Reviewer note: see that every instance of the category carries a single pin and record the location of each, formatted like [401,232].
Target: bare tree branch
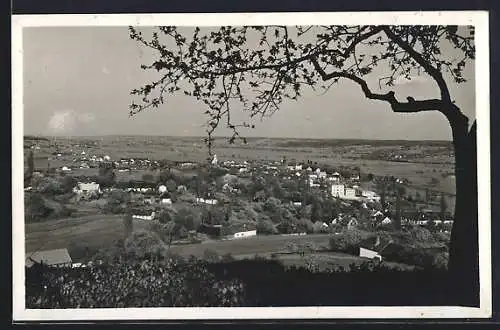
[432,71]
[410,106]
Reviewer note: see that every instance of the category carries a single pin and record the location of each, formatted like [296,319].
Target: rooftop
[48,257]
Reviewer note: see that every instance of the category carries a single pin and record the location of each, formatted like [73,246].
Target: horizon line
[229,137]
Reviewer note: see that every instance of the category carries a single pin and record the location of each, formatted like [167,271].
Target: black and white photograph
[251,166]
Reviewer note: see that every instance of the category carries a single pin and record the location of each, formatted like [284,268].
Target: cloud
[66,121]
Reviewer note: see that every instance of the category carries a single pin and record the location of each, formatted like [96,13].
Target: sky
[77,82]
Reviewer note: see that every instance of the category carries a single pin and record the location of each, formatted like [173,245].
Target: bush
[441,260]
[138,283]
[211,256]
[420,234]
[348,241]
[305,225]
[266,227]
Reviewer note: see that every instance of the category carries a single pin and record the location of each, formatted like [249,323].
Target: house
[373,247]
[65,169]
[244,234]
[149,200]
[166,201]
[338,190]
[144,217]
[214,160]
[350,193]
[370,195]
[87,188]
[206,201]
[162,189]
[352,223]
[53,258]
[296,203]
[386,221]
[367,253]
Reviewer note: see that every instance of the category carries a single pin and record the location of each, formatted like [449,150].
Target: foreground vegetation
[176,282]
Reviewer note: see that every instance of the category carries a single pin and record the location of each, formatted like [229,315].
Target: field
[94,231]
[98,231]
[425,159]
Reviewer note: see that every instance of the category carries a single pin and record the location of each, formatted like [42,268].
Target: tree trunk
[464,251]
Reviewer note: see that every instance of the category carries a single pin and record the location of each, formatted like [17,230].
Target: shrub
[441,260]
[210,256]
[420,234]
[266,227]
[348,241]
[228,257]
[146,283]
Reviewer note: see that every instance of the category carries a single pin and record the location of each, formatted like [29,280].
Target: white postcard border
[477,18]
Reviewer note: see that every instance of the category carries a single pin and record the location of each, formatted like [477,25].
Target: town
[190,202]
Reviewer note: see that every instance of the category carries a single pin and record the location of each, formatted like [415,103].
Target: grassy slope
[95,231]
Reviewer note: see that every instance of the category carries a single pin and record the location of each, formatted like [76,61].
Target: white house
[66,169]
[350,193]
[144,217]
[206,201]
[298,167]
[338,190]
[297,203]
[85,188]
[107,158]
[322,175]
[166,201]
[366,253]
[386,221]
[244,234]
[162,189]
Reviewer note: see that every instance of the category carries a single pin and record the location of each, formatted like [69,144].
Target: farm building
[373,247]
[53,258]
[144,216]
[206,201]
[366,253]
[244,234]
[87,188]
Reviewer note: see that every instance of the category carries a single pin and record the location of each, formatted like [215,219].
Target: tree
[418,198]
[217,69]
[106,177]
[443,206]
[128,225]
[397,218]
[31,168]
[427,195]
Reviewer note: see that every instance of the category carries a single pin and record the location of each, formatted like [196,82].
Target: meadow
[94,231]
